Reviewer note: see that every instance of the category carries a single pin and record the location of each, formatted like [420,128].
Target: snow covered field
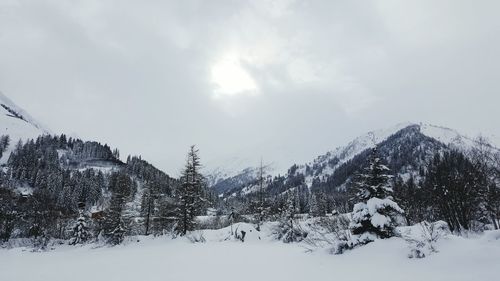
[257,259]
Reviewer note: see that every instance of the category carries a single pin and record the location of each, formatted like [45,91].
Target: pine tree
[374,214]
[412,198]
[80,230]
[116,153]
[114,230]
[4,143]
[317,205]
[149,205]
[262,208]
[290,231]
[189,194]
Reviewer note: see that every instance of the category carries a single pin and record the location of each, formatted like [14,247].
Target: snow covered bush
[375,217]
[196,236]
[40,243]
[289,233]
[240,235]
[340,246]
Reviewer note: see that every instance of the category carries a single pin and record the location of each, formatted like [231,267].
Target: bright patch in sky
[231,78]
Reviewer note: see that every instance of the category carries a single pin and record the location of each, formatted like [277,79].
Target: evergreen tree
[114,228]
[116,153]
[4,143]
[317,205]
[290,232]
[149,205]
[262,206]
[189,194]
[80,230]
[374,214]
[413,199]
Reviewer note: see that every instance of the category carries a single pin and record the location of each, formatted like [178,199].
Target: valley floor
[177,260]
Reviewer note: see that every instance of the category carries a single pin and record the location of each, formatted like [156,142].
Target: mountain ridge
[17,124]
[323,168]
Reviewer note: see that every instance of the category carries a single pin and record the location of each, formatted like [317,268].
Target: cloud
[140,76]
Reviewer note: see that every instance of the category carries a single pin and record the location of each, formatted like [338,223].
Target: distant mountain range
[407,148]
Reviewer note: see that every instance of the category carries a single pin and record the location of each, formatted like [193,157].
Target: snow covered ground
[258,258]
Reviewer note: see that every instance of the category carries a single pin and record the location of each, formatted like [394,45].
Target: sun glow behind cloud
[231,78]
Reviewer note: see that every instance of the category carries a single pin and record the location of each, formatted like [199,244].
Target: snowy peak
[447,136]
[235,173]
[10,109]
[17,124]
[443,135]
[411,138]
[407,147]
[230,167]
[359,144]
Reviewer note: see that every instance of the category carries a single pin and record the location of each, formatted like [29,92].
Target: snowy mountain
[325,165]
[219,171]
[407,148]
[235,172]
[17,124]
[86,166]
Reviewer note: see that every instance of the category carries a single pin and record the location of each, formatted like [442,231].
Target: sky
[285,80]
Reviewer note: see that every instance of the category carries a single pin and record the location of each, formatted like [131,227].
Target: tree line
[49,189]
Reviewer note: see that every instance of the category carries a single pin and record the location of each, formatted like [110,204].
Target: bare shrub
[425,244]
[330,231]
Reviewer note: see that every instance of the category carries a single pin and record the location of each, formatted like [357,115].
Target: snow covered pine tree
[374,216]
[317,204]
[80,231]
[291,231]
[189,193]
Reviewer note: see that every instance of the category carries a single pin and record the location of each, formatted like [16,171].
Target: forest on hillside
[68,190]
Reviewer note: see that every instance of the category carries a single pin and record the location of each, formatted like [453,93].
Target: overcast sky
[286,79]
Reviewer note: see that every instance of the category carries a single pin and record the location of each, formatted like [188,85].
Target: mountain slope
[52,178]
[17,124]
[407,148]
[236,173]
[422,135]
